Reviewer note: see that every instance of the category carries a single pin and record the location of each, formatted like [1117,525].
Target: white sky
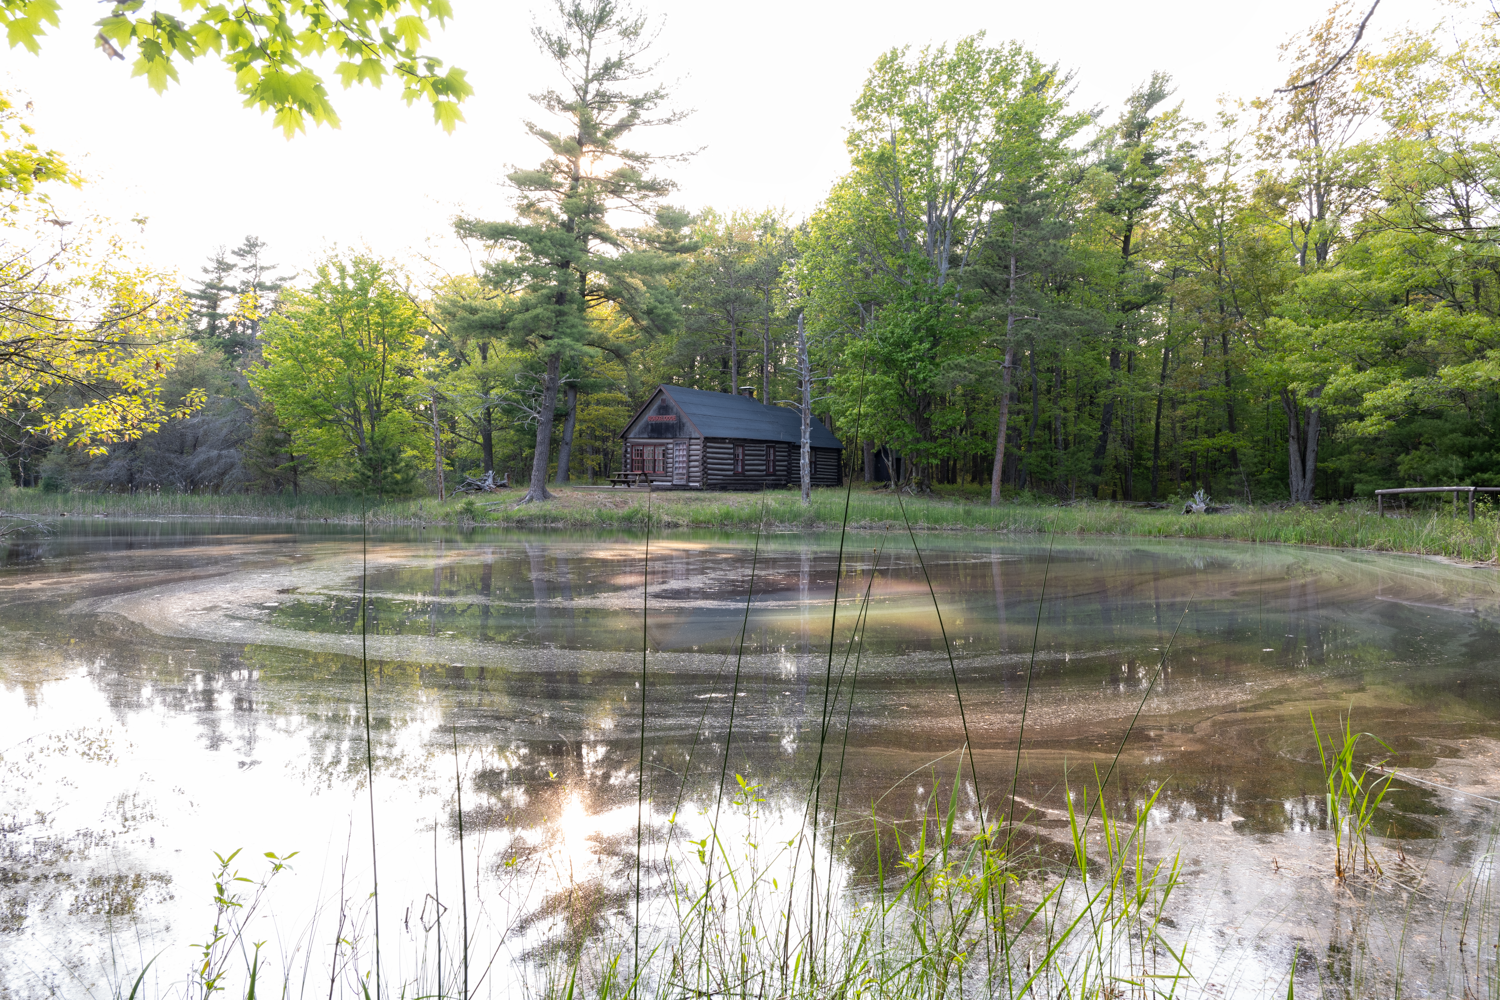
[771,84]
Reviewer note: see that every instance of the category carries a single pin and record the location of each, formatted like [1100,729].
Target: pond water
[173,689]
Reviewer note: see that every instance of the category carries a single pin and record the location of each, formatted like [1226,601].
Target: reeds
[232,914]
[1351,796]
[1126,897]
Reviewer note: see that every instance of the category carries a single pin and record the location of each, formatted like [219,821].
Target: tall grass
[348,509]
[1432,531]
[1351,796]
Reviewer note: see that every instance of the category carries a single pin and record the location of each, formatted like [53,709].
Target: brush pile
[485,485]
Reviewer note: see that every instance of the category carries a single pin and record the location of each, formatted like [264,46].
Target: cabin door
[680,464]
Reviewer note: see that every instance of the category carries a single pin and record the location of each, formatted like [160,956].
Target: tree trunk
[537,490]
[1301,443]
[487,439]
[1127,429]
[765,364]
[1000,432]
[869,462]
[565,450]
[1010,355]
[1036,414]
[1161,388]
[804,367]
[1057,407]
[1234,452]
[1106,422]
[437,447]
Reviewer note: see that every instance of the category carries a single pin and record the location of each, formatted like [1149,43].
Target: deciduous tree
[343,362]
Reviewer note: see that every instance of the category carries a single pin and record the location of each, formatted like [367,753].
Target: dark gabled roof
[723,415]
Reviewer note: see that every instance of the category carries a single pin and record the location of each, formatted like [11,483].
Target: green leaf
[411,30]
[290,121]
[206,36]
[264,46]
[371,71]
[446,114]
[23,28]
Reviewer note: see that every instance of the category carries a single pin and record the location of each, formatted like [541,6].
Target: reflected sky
[176,688]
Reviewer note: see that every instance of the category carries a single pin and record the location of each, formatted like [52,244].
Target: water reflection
[175,689]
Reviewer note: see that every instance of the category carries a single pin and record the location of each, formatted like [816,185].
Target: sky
[770,85]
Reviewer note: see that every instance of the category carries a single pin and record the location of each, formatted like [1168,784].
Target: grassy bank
[1434,531]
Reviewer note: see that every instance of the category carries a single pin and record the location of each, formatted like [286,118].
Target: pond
[172,689]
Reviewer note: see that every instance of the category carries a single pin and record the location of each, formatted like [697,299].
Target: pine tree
[237,292]
[564,254]
[213,300]
[1135,157]
[257,292]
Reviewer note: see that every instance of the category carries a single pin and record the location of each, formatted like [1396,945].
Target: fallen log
[485,485]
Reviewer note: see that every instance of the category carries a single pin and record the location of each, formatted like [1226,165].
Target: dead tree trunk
[487,439]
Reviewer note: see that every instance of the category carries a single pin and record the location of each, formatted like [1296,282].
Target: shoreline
[1432,533]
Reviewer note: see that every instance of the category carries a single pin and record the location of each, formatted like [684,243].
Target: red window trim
[739,460]
[770,460]
[651,459]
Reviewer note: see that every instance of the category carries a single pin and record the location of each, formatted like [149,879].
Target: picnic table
[628,479]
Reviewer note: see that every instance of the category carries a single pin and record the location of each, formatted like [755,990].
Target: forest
[1005,295]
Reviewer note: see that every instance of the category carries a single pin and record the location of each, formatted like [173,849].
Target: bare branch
[1337,62]
[26,523]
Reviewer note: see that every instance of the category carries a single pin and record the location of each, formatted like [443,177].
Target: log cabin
[696,439]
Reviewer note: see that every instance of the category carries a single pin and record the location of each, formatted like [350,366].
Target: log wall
[711,464]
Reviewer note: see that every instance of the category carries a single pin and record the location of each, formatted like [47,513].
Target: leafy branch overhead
[23,164]
[87,341]
[269,45]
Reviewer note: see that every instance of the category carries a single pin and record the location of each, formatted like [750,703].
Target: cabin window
[739,460]
[770,460]
[651,459]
